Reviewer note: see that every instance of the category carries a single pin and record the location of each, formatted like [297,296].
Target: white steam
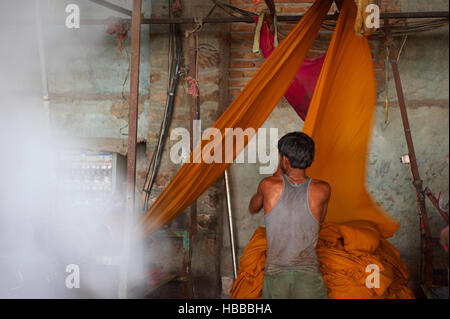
[45,226]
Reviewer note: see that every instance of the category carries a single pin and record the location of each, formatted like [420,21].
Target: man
[294,206]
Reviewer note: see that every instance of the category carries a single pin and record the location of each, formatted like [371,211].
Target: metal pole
[426,239]
[282,18]
[132,138]
[194,106]
[230,224]
[40,38]
[112,6]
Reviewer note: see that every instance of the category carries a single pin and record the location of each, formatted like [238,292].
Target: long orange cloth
[339,120]
[249,110]
[344,251]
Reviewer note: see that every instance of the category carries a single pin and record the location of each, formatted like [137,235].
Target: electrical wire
[173,77]
[398,26]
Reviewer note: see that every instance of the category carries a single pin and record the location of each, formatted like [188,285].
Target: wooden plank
[132,139]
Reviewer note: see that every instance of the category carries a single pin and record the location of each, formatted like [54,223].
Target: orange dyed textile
[344,251]
[249,110]
[249,282]
[340,119]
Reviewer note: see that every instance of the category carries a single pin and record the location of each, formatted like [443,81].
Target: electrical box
[99,174]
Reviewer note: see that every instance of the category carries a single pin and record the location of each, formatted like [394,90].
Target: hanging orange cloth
[340,120]
[249,110]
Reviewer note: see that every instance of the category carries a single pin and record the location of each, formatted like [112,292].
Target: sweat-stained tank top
[292,231]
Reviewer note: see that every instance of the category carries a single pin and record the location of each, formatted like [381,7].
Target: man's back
[292,230]
[318,195]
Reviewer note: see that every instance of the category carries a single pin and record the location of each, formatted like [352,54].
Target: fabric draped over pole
[249,110]
[340,120]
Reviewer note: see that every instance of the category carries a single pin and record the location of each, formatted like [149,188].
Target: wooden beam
[112,6]
[132,139]
[426,238]
[293,18]
[194,107]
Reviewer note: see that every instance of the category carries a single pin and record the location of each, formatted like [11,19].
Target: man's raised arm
[257,201]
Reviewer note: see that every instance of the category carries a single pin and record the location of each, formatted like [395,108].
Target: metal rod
[290,18]
[194,115]
[188,288]
[132,138]
[224,97]
[112,6]
[230,224]
[417,182]
[41,51]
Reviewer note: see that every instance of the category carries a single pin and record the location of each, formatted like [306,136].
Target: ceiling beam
[112,6]
[291,18]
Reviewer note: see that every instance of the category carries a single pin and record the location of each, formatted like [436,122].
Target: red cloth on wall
[300,91]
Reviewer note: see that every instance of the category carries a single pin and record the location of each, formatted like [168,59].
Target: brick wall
[244,63]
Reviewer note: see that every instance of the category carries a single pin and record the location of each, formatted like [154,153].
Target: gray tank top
[292,231]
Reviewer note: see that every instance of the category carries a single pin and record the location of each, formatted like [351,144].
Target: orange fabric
[249,110]
[248,284]
[340,119]
[343,261]
[344,258]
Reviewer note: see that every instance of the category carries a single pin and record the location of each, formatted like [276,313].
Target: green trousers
[294,285]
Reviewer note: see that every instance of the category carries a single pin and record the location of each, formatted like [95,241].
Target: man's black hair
[298,148]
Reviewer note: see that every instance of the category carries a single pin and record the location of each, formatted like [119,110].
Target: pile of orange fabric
[249,282]
[344,251]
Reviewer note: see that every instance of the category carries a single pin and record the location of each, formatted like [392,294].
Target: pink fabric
[300,92]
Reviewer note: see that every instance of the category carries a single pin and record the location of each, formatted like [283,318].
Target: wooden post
[132,138]
[194,103]
[426,238]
